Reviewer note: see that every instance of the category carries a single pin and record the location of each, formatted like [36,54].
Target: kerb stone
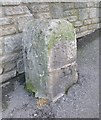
[49,57]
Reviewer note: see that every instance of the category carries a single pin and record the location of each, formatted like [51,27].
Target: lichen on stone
[64,31]
[30,88]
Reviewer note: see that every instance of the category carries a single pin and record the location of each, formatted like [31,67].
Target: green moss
[64,32]
[30,88]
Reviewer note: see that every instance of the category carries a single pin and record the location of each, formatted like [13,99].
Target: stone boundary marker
[50,52]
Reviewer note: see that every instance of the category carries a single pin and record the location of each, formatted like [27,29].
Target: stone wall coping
[17,2]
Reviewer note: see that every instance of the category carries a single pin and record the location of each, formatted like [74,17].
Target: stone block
[39,7]
[49,57]
[7,76]
[7,30]
[56,10]
[97,4]
[80,4]
[20,21]
[69,13]
[72,18]
[7,67]
[78,23]
[44,15]
[95,20]
[84,33]
[61,80]
[94,12]
[83,14]
[66,13]
[93,26]
[68,5]
[74,12]
[11,2]
[90,4]
[20,66]
[5,21]
[83,28]
[12,43]
[87,22]
[10,57]
[16,10]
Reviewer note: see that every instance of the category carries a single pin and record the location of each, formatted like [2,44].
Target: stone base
[61,79]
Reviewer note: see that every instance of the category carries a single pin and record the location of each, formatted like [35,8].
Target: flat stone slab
[49,57]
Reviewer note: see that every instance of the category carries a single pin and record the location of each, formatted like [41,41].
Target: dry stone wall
[13,17]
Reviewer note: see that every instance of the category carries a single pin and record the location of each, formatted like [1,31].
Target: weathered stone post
[49,57]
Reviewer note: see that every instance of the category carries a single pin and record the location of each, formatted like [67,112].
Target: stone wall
[13,17]
[84,16]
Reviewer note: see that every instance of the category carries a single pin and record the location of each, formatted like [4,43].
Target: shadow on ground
[82,100]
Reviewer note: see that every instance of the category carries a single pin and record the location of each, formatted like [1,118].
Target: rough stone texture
[14,16]
[8,58]
[8,67]
[84,33]
[95,20]
[82,100]
[45,15]
[15,10]
[90,4]
[7,30]
[7,76]
[39,7]
[1,69]
[87,22]
[78,23]
[20,21]
[77,30]
[56,10]
[83,14]
[67,6]
[93,26]
[20,66]
[80,4]
[50,57]
[83,28]
[5,21]
[11,2]
[72,18]
[12,43]
[66,13]
[1,51]
[94,12]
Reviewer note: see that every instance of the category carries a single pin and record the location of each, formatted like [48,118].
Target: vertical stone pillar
[49,57]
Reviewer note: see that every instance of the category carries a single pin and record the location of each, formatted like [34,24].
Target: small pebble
[35,115]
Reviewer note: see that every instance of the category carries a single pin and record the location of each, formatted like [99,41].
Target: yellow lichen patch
[41,102]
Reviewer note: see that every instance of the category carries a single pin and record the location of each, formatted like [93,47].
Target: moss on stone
[30,88]
[64,32]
